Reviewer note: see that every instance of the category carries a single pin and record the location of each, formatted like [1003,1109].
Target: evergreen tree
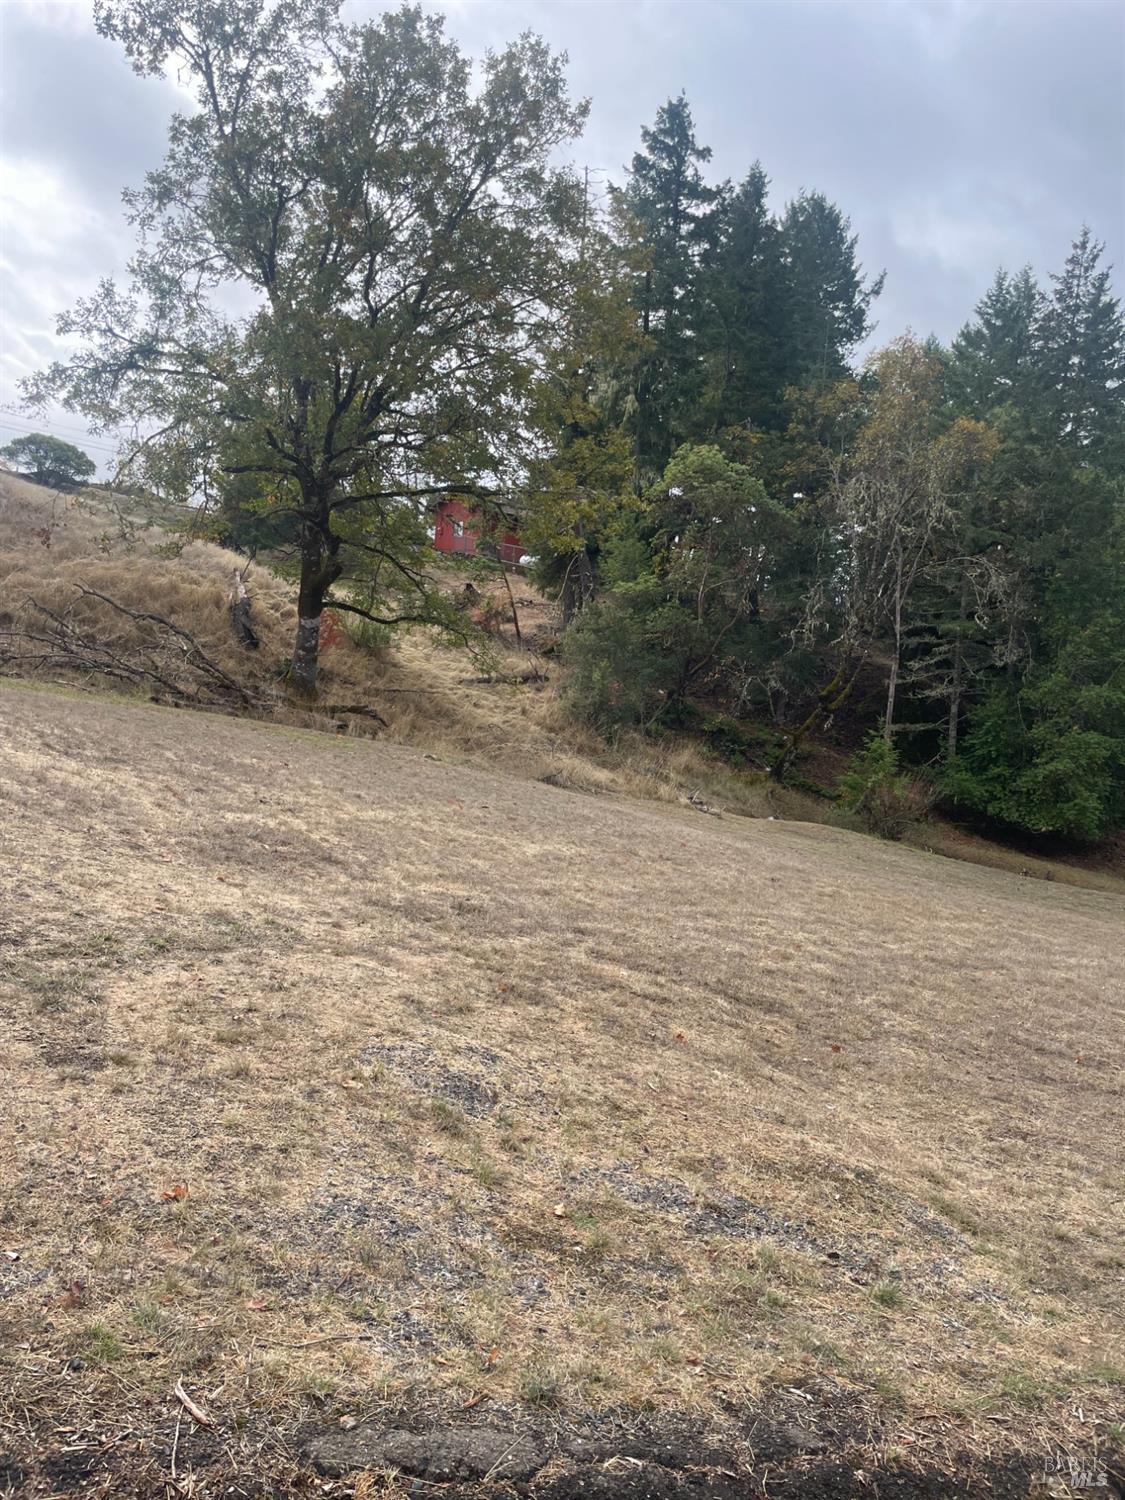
[673,214]
[1082,335]
[829,300]
[686,573]
[746,333]
[995,359]
[1044,747]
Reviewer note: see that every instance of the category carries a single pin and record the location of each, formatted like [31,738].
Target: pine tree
[830,302]
[1082,334]
[994,359]
[746,334]
[672,210]
[1044,746]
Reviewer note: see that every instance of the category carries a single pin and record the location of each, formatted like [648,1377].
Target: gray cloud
[958,134]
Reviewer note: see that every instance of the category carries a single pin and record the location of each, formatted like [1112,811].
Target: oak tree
[49,460]
[350,266]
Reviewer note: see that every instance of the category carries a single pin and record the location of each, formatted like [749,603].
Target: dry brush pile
[91,587]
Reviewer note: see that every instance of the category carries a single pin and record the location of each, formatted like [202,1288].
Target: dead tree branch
[166,658]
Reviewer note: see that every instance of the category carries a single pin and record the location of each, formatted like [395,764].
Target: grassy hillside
[500,709]
[451,701]
[422,1120]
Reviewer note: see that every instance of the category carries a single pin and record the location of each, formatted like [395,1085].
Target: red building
[459,528]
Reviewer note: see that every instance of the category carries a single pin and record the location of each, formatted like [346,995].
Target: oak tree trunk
[319,571]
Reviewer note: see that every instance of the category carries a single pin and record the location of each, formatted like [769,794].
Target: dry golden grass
[428,694]
[480,1086]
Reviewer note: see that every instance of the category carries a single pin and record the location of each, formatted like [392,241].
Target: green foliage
[48,460]
[994,362]
[685,572]
[829,299]
[1044,743]
[746,315]
[673,215]
[101,1346]
[887,1294]
[875,788]
[577,491]
[616,673]
[1081,338]
[1026,762]
[409,246]
[733,520]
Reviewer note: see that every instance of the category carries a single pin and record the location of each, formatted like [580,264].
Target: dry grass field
[456,703]
[464,705]
[443,1133]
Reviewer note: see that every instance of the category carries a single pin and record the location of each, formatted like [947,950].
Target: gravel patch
[418,1065]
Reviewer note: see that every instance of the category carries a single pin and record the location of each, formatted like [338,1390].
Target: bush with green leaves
[1045,771]
[615,674]
[682,614]
[887,800]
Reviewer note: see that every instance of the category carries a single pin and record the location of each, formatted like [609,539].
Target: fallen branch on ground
[61,640]
[534,673]
[193,1411]
[363,710]
[240,607]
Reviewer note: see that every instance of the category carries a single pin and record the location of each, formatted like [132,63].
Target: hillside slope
[491,703]
[55,548]
[350,1086]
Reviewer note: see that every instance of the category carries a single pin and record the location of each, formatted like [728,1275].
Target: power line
[54,430]
[24,427]
[15,411]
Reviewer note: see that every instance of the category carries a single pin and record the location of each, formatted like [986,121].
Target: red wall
[445,539]
[449,511]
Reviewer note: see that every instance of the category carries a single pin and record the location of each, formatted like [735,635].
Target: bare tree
[898,499]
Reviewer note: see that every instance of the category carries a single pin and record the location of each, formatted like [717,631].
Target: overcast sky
[958,135]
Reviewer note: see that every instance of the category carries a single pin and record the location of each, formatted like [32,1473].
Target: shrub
[887,800]
[1052,760]
[615,676]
